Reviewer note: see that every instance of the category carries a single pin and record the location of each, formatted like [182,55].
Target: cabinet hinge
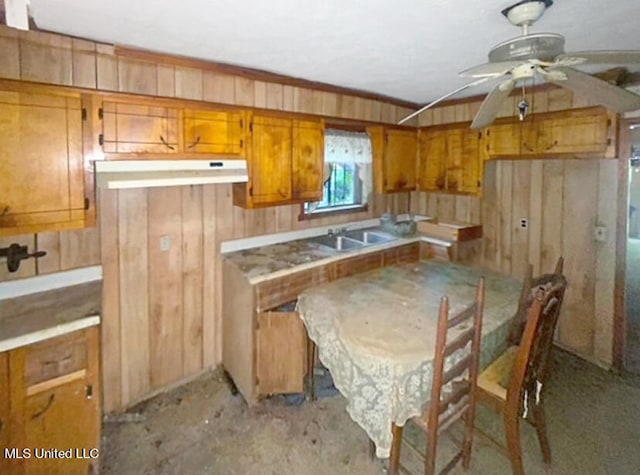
[101,139]
[89,391]
[479,135]
[241,123]
[100,114]
[251,191]
[257,380]
[241,143]
[84,114]
[86,203]
[250,126]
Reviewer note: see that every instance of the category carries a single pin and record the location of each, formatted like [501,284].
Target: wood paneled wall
[563,201]
[161,308]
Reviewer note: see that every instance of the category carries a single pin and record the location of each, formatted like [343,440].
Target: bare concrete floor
[200,428]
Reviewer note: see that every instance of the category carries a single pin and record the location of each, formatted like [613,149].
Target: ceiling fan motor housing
[542,46]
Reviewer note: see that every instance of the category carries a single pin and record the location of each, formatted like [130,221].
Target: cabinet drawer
[54,358]
[358,265]
[274,292]
[402,254]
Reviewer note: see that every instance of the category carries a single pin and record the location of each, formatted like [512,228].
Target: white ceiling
[407,49]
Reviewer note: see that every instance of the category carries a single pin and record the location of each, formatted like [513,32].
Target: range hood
[116,174]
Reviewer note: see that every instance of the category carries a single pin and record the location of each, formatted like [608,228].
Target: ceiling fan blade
[601,92]
[603,57]
[440,99]
[492,103]
[490,69]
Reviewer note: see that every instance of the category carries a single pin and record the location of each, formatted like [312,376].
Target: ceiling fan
[541,54]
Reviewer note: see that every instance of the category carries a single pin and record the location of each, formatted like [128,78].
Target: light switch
[165,243]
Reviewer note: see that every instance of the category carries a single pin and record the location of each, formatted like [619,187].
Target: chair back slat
[459,381]
[459,342]
[464,315]
[453,397]
[457,370]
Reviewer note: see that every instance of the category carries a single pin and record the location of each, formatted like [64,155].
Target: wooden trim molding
[620,278]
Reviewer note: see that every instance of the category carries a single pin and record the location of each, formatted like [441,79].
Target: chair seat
[495,378]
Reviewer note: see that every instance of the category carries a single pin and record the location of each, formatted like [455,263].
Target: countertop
[38,316]
[276,260]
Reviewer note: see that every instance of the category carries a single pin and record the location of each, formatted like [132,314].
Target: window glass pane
[348,179]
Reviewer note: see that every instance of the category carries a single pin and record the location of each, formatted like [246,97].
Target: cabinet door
[55,401]
[41,137]
[270,164]
[281,344]
[576,133]
[431,159]
[62,417]
[400,156]
[503,140]
[214,132]
[139,128]
[466,174]
[308,160]
[4,411]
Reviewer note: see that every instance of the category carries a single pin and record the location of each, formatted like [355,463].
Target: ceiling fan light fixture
[526,12]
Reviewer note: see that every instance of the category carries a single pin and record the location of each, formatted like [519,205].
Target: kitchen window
[347,174]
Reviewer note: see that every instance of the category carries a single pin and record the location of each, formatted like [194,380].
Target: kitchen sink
[339,242]
[368,237]
[350,240]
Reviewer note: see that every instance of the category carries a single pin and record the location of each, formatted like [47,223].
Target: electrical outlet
[524,223]
[600,233]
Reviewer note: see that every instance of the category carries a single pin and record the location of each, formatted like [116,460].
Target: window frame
[340,209]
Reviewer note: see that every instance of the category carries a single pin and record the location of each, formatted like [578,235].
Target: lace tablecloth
[375,333]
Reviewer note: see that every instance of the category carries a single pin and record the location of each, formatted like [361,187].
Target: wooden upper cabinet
[395,156]
[285,160]
[464,164]
[432,144]
[271,159]
[214,132]
[584,131]
[41,137]
[502,139]
[400,155]
[588,132]
[139,128]
[308,160]
[449,158]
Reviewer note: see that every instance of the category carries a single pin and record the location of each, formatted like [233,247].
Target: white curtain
[342,146]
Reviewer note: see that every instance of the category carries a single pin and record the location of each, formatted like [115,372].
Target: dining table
[376,333]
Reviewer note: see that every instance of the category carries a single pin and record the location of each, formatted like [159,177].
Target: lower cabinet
[4,411]
[53,405]
[263,337]
[281,341]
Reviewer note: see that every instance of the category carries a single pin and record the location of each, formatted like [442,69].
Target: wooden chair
[526,299]
[514,384]
[453,390]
